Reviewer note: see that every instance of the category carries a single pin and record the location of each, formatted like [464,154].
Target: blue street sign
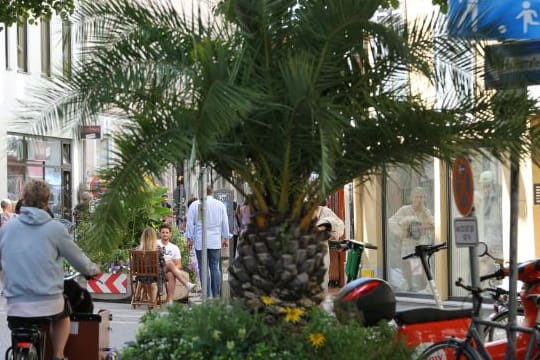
[512,65]
[494,19]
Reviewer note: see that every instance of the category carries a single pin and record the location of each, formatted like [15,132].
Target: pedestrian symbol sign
[488,19]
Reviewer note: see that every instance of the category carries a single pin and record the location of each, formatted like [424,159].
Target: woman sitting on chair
[148,283]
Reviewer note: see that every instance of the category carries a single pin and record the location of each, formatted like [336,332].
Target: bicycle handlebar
[499,274]
[478,290]
[346,244]
[75,275]
[370,246]
[474,290]
[423,250]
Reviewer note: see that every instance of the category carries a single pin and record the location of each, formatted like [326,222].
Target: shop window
[15,181]
[7,42]
[66,154]
[45,27]
[22,47]
[32,157]
[409,197]
[54,177]
[44,150]
[66,48]
[488,179]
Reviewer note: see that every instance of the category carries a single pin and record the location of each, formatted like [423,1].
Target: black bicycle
[28,336]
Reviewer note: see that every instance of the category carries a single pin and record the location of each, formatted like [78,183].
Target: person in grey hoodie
[32,247]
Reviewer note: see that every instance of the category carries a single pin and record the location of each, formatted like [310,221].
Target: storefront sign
[512,65]
[90,132]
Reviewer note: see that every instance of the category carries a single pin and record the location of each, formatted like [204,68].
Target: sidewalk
[402,303]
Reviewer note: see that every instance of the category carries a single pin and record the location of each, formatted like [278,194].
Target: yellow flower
[317,339]
[292,315]
[267,300]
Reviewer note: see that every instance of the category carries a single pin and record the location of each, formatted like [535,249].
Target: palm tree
[272,92]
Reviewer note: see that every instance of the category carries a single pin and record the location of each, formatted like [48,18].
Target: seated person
[148,283]
[173,262]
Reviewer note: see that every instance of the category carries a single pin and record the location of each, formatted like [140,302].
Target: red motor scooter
[371,300]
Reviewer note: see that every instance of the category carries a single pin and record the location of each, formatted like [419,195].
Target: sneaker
[190,286]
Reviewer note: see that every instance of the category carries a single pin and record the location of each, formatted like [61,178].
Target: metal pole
[204,247]
[520,94]
[512,286]
[475,272]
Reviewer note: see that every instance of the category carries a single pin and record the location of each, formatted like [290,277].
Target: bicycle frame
[526,343]
[528,273]
[527,336]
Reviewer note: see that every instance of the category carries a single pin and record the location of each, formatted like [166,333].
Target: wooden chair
[144,263]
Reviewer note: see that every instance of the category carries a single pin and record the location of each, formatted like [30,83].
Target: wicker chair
[144,263]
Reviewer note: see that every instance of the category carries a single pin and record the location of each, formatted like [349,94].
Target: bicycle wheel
[492,334]
[450,349]
[22,354]
[9,353]
[27,354]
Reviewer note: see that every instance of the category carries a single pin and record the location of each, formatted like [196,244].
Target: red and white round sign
[463,185]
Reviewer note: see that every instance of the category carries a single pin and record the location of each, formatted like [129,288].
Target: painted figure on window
[489,214]
[411,225]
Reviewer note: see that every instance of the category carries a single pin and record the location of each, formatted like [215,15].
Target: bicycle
[473,346]
[500,305]
[28,342]
[500,314]
[28,336]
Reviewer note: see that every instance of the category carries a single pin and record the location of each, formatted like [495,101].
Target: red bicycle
[527,336]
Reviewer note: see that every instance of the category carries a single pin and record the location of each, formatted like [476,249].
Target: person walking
[32,251]
[81,212]
[217,231]
[328,221]
[7,214]
[245,212]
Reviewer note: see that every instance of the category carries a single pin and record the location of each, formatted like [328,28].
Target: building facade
[385,211]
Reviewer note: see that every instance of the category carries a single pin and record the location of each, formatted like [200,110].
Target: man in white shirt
[173,262]
[217,235]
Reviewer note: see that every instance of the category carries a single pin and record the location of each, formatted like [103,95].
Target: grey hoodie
[32,246]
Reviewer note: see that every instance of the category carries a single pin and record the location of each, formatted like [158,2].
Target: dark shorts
[17,321]
[147,279]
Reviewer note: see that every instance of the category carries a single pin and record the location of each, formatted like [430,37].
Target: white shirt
[217,223]
[171,251]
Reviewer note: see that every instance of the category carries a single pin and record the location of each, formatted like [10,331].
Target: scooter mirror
[482,249]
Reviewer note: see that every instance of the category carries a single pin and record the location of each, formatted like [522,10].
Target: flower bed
[215,330]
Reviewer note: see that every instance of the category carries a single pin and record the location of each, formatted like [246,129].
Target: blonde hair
[148,239]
